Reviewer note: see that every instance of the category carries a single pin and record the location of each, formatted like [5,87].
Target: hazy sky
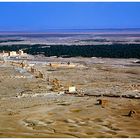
[61,15]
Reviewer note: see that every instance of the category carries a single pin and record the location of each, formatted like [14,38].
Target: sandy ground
[43,113]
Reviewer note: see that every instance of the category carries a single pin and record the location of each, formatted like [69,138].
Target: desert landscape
[69,69]
[36,101]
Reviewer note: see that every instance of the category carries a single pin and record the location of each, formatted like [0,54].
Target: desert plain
[30,107]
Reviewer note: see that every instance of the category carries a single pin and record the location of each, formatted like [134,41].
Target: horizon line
[118,28]
[74,30]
